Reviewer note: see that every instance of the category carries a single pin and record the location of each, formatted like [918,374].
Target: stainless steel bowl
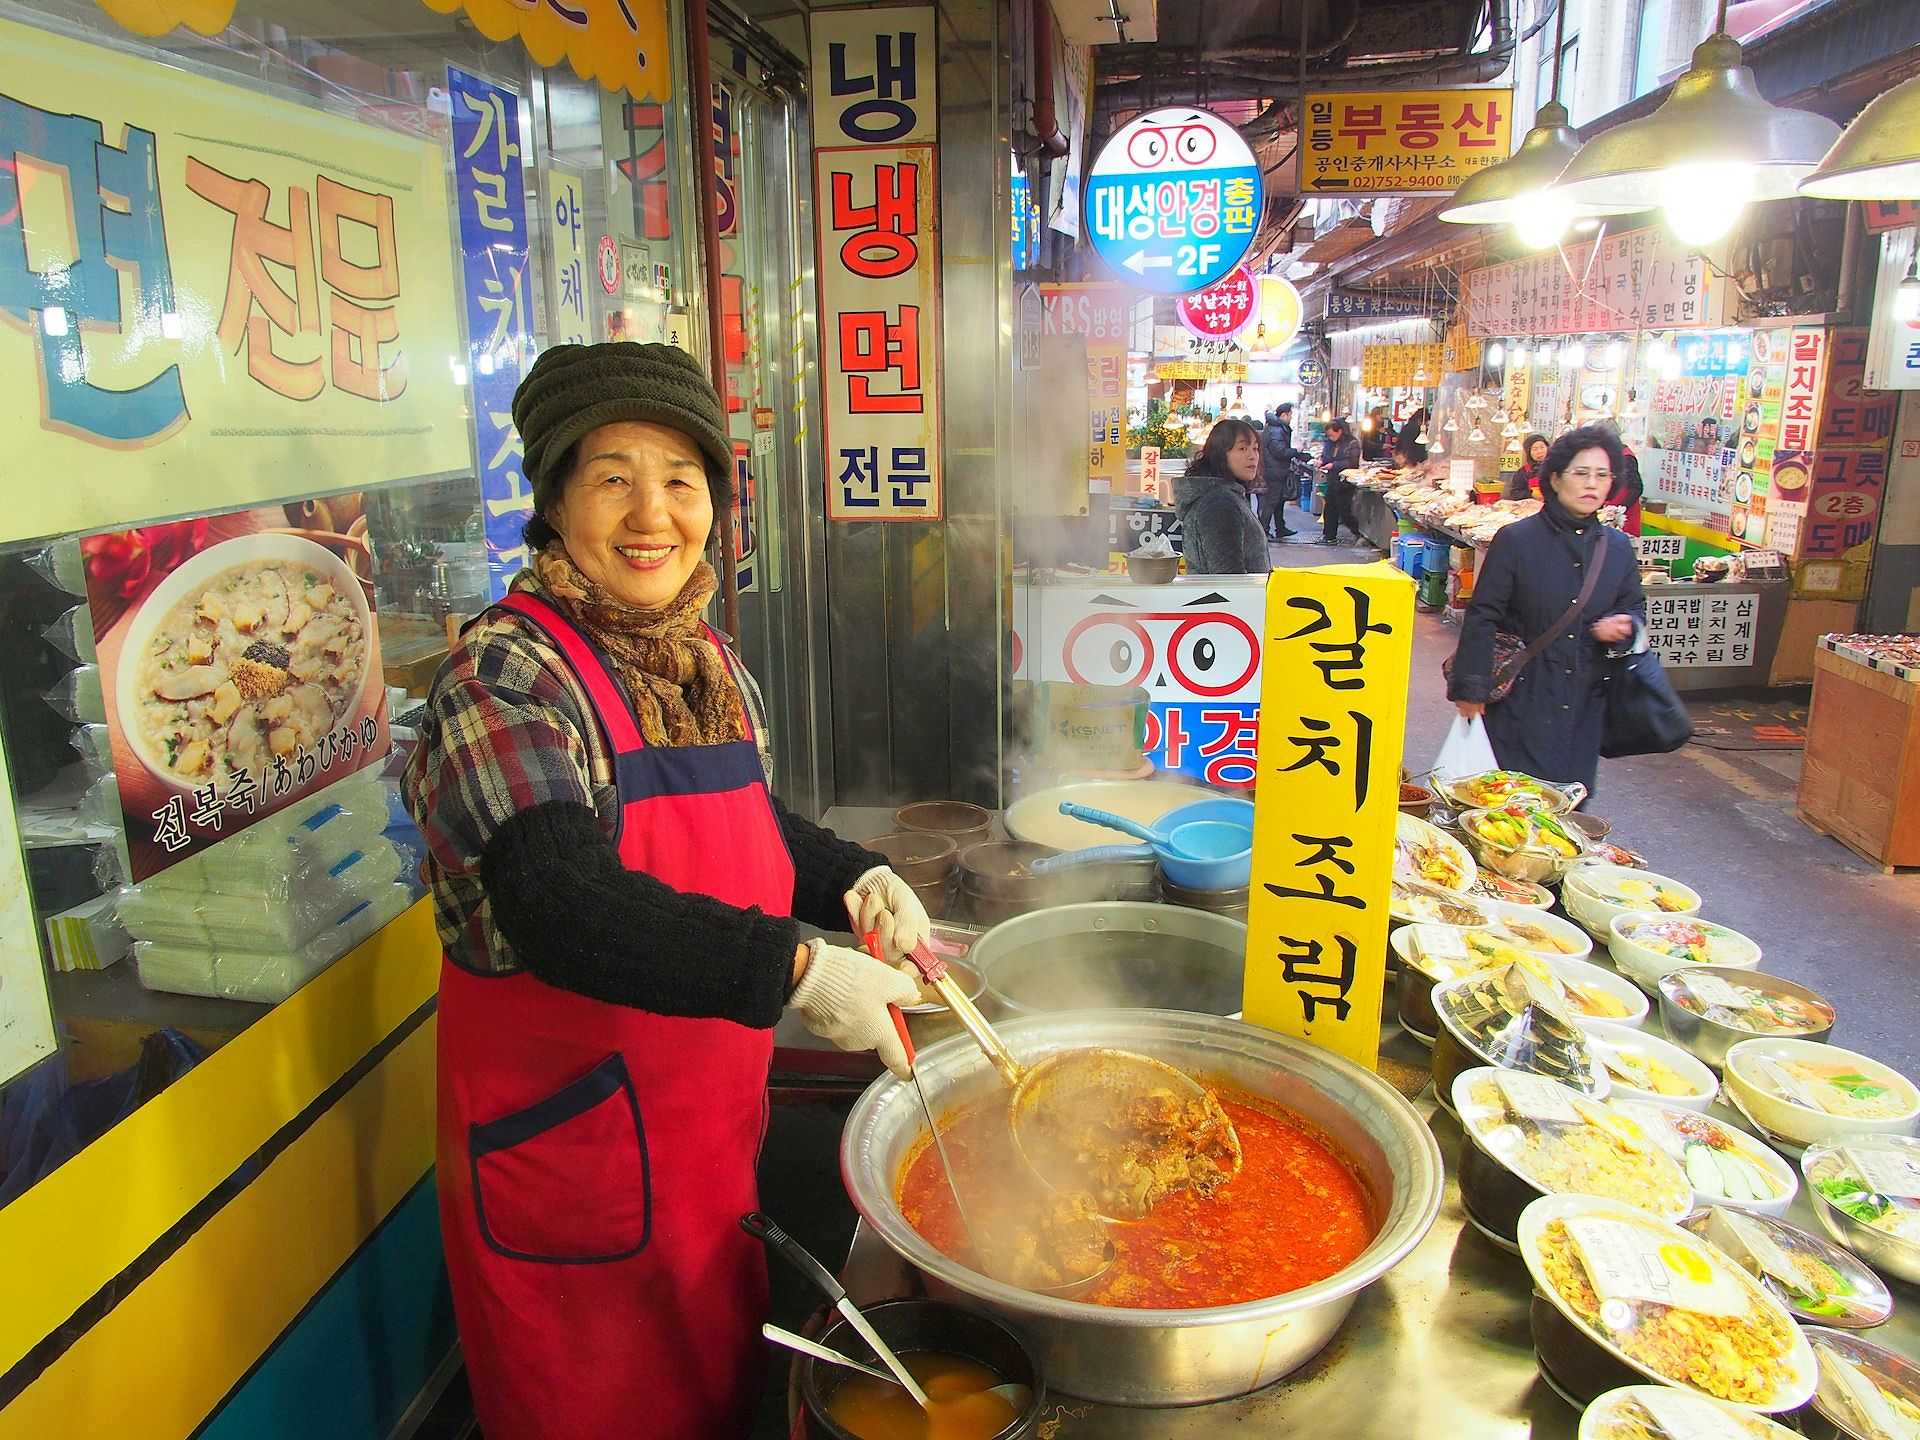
[1118,954]
[1710,1039]
[1163,1357]
[1885,1252]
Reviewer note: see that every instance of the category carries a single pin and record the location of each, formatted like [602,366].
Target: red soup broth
[1294,1215]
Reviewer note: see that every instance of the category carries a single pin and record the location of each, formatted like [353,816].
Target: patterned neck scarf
[681,689]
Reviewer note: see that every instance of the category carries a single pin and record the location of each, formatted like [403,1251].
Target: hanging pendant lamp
[1879,156]
[1715,144]
[1519,189]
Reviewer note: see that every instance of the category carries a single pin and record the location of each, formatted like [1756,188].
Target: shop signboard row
[1402,142]
[490,198]
[875,130]
[229,298]
[1639,279]
[1395,366]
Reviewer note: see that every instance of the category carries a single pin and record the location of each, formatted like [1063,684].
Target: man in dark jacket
[1340,454]
[1276,468]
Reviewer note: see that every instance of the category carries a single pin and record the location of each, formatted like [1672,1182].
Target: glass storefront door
[755,134]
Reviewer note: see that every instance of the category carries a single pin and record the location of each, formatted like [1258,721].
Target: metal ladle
[1059,1079]
[1070,1288]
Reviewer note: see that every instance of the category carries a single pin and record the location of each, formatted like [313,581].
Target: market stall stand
[1861,784]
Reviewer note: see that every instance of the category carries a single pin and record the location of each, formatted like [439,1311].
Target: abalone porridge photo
[265,657]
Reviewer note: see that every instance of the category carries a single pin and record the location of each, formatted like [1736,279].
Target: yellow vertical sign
[1337,649]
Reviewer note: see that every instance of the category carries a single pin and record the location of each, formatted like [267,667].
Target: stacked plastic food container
[258,915]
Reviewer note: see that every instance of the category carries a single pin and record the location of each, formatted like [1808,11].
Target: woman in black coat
[1219,533]
[1550,723]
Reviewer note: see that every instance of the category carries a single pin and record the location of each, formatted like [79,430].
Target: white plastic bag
[1465,751]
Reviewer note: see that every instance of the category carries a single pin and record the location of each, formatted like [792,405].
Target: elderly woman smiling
[617,892]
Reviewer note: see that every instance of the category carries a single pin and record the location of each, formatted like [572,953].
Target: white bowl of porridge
[254,649]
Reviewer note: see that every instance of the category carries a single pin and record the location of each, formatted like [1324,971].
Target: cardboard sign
[1336,657]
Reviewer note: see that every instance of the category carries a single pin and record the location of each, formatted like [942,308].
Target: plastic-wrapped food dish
[1803,1092]
[1417,903]
[1528,1136]
[1722,1163]
[1502,1020]
[1522,842]
[1493,788]
[1428,854]
[1710,1008]
[1866,1391]
[1594,894]
[1545,934]
[1434,954]
[1658,1301]
[1648,946]
[1645,1067]
[1659,1412]
[1815,1279]
[1866,1191]
[1502,891]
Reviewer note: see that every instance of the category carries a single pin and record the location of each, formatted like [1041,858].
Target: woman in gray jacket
[1220,534]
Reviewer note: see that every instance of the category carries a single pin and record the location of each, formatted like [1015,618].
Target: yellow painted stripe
[75,1230]
[156,1366]
[1667,525]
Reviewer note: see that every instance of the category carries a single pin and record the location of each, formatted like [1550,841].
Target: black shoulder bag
[1644,715]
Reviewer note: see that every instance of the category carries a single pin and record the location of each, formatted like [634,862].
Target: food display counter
[1440,1346]
[1441,1343]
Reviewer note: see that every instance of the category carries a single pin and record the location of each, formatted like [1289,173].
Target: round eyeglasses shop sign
[1173,200]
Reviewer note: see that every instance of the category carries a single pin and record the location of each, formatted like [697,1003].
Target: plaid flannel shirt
[508,726]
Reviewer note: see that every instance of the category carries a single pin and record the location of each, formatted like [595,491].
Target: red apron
[594,1160]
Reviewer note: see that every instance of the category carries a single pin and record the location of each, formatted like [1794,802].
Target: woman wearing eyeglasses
[1567,588]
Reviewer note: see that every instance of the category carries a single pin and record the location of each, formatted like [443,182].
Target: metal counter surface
[1441,1347]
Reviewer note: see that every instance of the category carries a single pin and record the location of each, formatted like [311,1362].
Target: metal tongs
[1085,1074]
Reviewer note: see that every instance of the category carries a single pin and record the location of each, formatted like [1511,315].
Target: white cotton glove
[884,904]
[843,997]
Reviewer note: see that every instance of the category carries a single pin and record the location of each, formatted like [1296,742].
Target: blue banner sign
[491,195]
[1173,200]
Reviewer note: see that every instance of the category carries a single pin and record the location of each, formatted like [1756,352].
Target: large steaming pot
[1121,953]
[1163,1357]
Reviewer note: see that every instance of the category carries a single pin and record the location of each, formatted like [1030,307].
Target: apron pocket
[565,1181]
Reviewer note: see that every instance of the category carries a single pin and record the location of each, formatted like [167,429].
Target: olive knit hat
[572,389]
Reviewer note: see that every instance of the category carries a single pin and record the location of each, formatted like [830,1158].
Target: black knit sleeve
[825,867]
[578,919]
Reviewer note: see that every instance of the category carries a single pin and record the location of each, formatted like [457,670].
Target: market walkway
[1724,822]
